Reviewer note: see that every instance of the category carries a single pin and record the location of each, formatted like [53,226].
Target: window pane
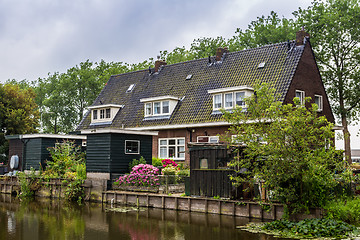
[171,152]
[239,98]
[157,108]
[108,113]
[163,152]
[165,107]
[217,101]
[181,153]
[228,100]
[94,114]
[214,139]
[181,142]
[131,146]
[102,114]
[163,142]
[318,101]
[148,109]
[171,141]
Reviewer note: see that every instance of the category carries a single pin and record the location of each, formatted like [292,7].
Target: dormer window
[319,101]
[159,106]
[104,114]
[228,98]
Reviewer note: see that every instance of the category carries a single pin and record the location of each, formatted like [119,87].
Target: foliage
[347,210]
[66,160]
[18,114]
[141,175]
[29,183]
[169,170]
[74,190]
[167,162]
[157,162]
[263,31]
[310,228]
[183,172]
[285,147]
[135,162]
[335,37]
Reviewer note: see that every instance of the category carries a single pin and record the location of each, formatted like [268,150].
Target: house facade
[182,101]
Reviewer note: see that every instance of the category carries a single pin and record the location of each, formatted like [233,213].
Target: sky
[38,37]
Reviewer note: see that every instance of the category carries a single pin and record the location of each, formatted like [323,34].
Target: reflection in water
[53,219]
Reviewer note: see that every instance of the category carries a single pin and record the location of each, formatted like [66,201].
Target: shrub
[167,162]
[157,162]
[141,175]
[347,210]
[169,170]
[135,162]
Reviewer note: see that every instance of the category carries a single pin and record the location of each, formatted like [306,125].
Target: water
[54,219]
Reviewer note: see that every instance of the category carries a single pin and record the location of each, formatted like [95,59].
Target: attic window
[159,106]
[188,77]
[130,88]
[261,65]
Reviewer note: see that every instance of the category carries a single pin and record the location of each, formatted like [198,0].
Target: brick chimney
[300,35]
[220,52]
[158,64]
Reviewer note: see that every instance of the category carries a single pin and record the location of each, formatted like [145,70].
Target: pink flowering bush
[141,175]
[168,162]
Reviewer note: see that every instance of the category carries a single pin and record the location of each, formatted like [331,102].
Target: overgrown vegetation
[346,209]
[308,228]
[135,162]
[289,148]
[68,163]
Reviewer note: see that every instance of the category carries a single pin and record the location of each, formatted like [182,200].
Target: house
[182,101]
[28,151]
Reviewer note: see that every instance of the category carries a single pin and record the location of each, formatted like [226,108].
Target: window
[165,107]
[130,88]
[228,100]
[239,98]
[157,109]
[102,113]
[319,102]
[172,148]
[95,113]
[148,109]
[217,101]
[107,113]
[208,139]
[132,147]
[301,95]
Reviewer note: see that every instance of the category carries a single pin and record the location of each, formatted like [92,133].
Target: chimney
[300,35]
[158,64]
[220,52]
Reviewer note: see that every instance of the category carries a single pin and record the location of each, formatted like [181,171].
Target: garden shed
[209,173]
[31,150]
[109,151]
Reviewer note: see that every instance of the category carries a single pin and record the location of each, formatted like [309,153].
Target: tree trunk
[346,140]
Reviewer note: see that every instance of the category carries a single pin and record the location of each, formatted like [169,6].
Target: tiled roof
[236,69]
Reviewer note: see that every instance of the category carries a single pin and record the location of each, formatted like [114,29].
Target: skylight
[188,77]
[261,65]
[130,88]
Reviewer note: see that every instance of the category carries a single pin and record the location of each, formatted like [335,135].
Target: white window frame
[221,101]
[102,113]
[107,112]
[210,139]
[177,145]
[320,106]
[232,100]
[151,109]
[302,96]
[94,114]
[138,142]
[235,104]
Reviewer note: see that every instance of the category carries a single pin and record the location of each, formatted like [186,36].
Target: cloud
[38,36]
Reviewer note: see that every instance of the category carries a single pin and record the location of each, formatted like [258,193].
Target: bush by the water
[311,228]
[347,210]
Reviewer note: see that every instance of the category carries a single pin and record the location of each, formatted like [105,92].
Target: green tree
[335,37]
[287,146]
[18,114]
[263,31]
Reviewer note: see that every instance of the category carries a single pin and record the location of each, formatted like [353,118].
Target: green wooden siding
[33,154]
[106,152]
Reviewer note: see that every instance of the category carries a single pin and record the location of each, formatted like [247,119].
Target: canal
[54,219]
